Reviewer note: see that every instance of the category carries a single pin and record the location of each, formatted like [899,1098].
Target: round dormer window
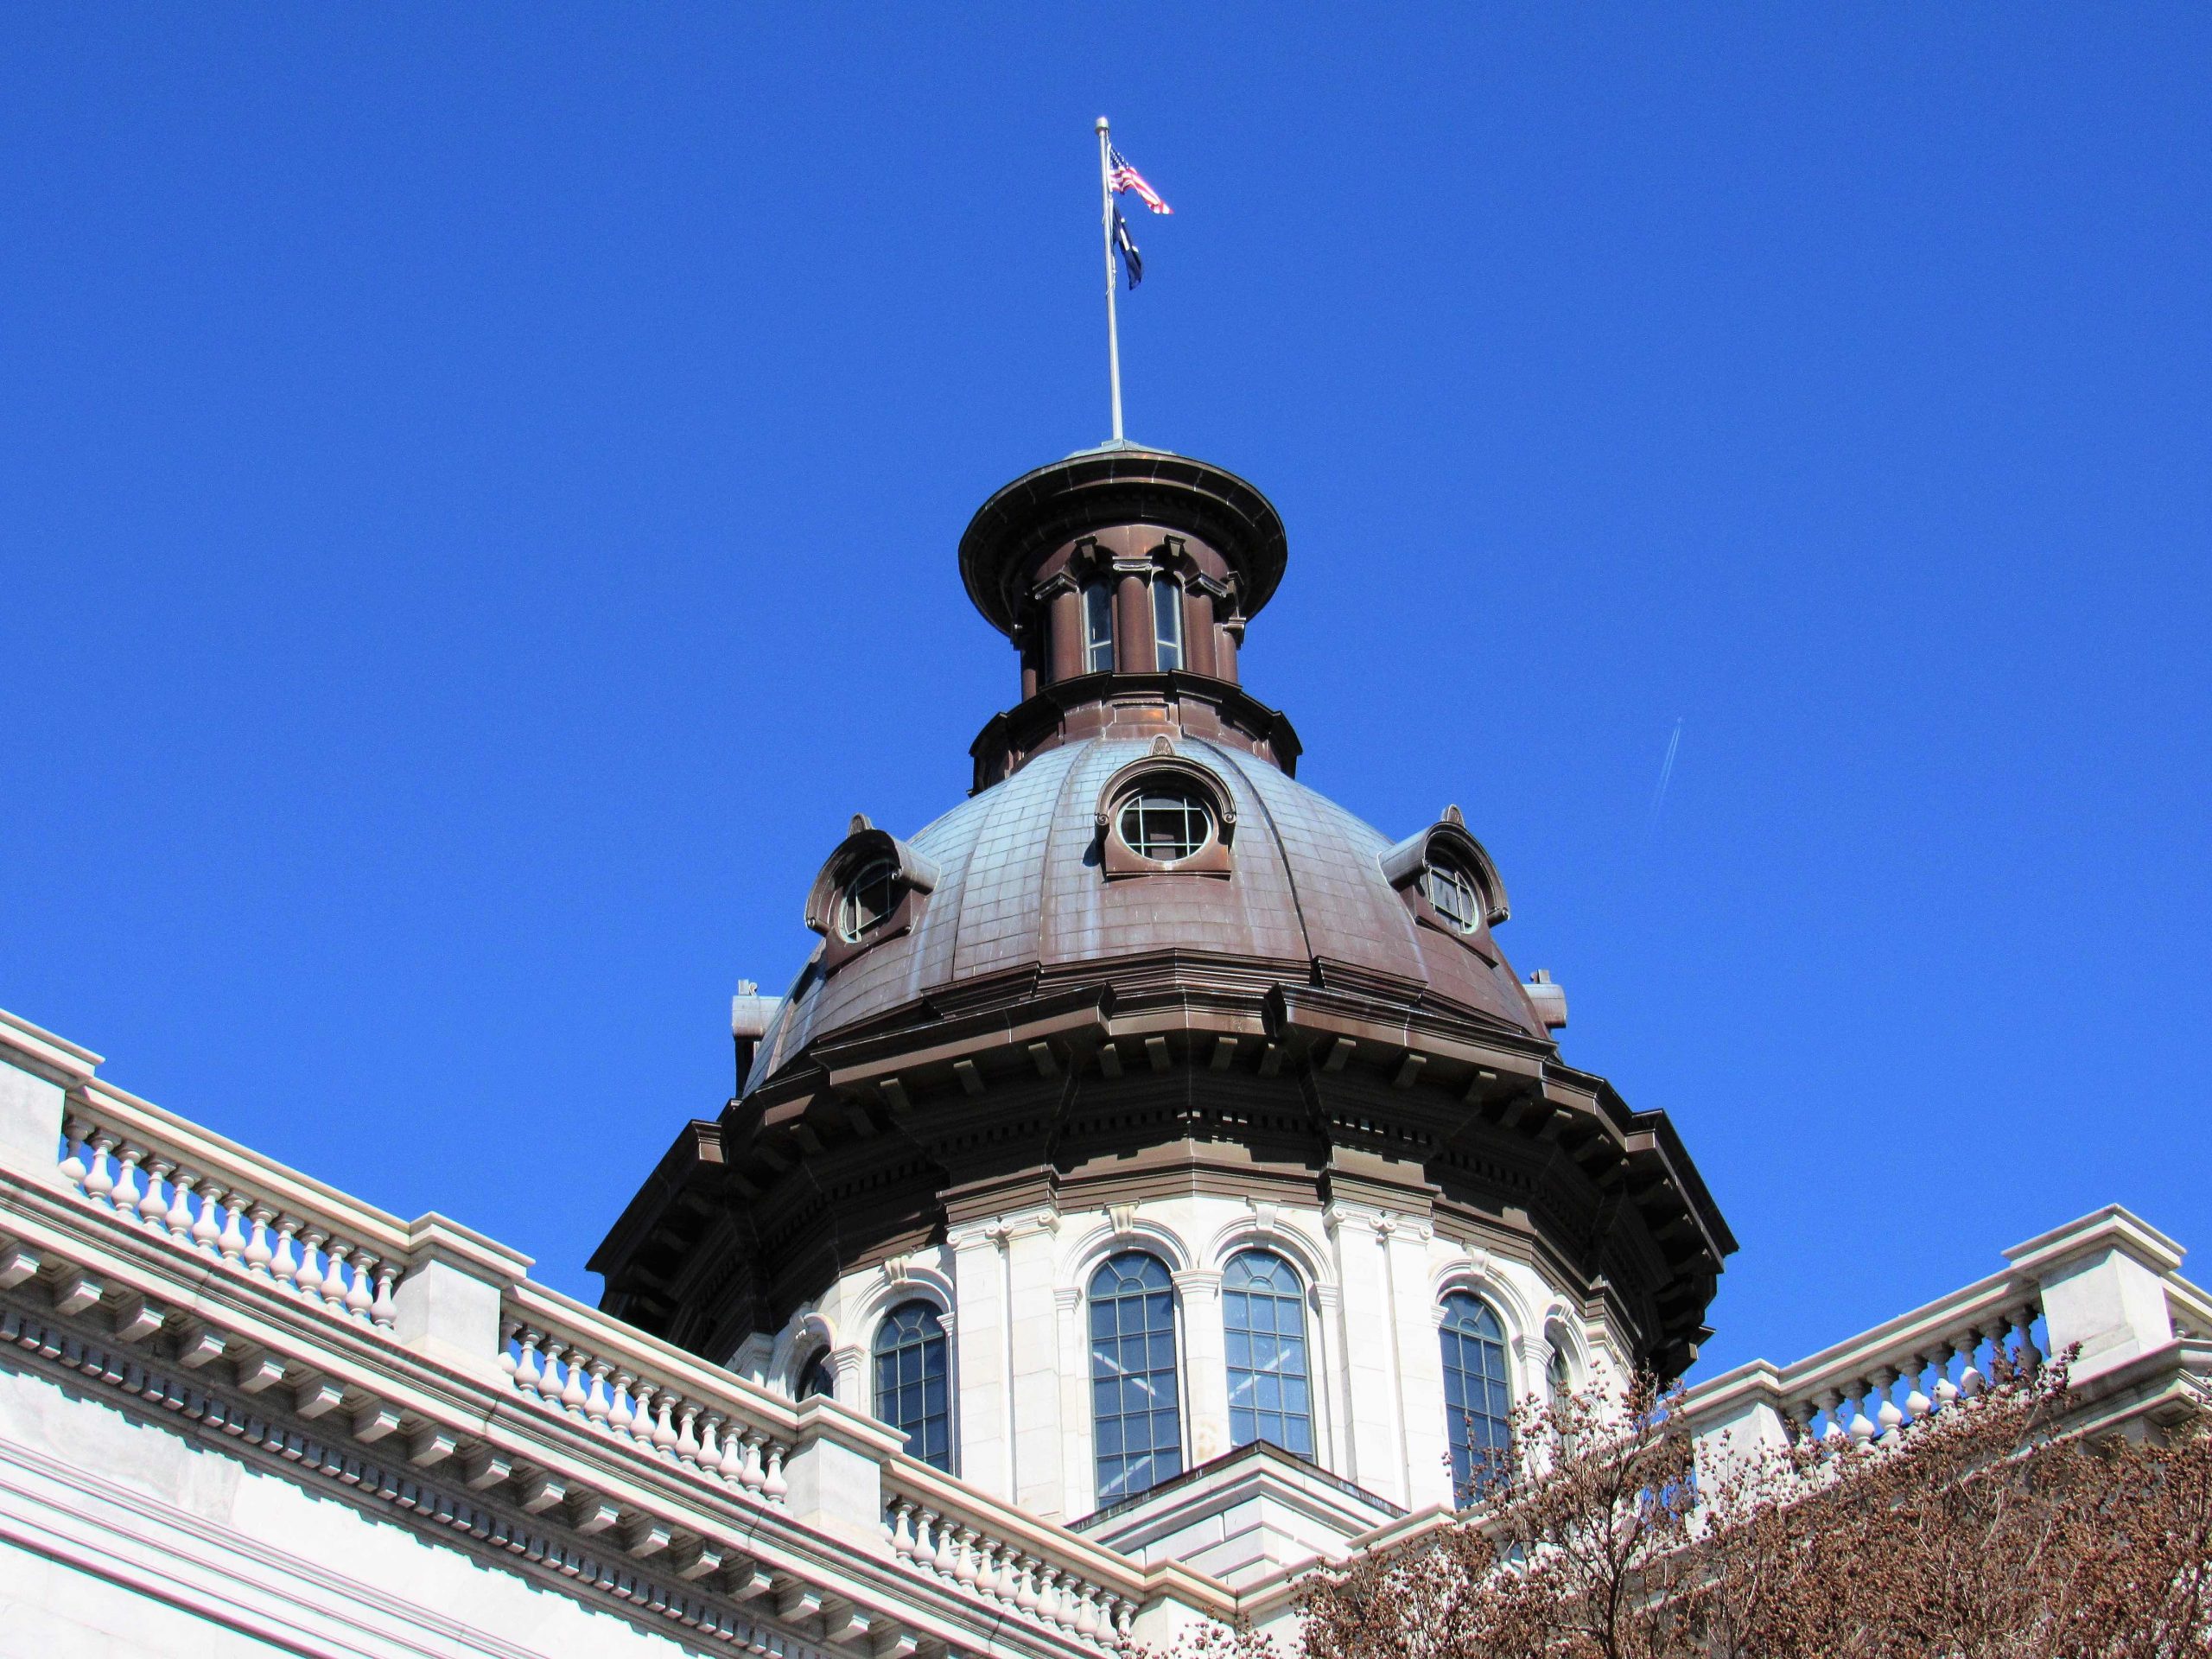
[868,899]
[1165,822]
[1453,892]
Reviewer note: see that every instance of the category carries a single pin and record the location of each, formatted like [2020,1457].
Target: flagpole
[1113,332]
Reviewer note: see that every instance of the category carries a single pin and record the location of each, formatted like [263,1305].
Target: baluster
[1971,1380]
[575,1394]
[756,1472]
[1025,1584]
[2031,1361]
[180,1218]
[622,1409]
[153,1208]
[527,1376]
[773,1486]
[711,1442]
[1048,1594]
[1831,1402]
[232,1242]
[206,1230]
[1086,1613]
[382,1310]
[687,1438]
[1125,1613]
[510,1333]
[1861,1426]
[77,1165]
[948,1549]
[1007,1584]
[1917,1405]
[127,1191]
[336,1280]
[983,1562]
[902,1528]
[663,1427]
[963,1560]
[259,1258]
[99,1184]
[310,1285]
[597,1405]
[1887,1418]
[360,1300]
[285,1265]
[731,1464]
[550,1349]
[641,1412]
[1946,1392]
[925,1538]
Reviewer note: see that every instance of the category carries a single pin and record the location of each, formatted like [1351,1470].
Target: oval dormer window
[869,897]
[1165,824]
[1453,893]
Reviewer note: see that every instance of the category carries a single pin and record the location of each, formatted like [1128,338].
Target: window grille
[1453,893]
[1477,1406]
[869,898]
[1270,1389]
[1165,824]
[911,1387]
[1136,1418]
[1167,622]
[1098,628]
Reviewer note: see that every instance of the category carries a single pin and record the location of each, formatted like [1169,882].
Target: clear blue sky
[478,500]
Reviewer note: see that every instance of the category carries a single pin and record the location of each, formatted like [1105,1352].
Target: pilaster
[1206,1365]
[980,1358]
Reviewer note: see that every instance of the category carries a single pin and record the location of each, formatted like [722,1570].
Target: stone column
[1331,1430]
[1197,1291]
[1197,627]
[1420,1364]
[1039,1450]
[1079,1471]
[1374,1457]
[1134,650]
[1062,603]
[978,1277]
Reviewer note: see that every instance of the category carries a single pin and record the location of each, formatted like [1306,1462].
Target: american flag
[1123,176]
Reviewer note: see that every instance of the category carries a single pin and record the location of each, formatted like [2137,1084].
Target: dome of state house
[1144,1030]
[1018,890]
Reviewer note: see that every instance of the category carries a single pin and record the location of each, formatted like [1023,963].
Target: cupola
[1125,577]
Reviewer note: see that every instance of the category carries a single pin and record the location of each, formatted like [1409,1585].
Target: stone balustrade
[2106,1290]
[1000,1556]
[204,1194]
[571,1358]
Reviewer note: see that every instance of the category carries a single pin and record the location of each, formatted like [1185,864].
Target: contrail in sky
[1666,777]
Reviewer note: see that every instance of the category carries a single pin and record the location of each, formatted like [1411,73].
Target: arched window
[1167,622]
[820,1377]
[1134,1412]
[1270,1389]
[911,1385]
[1098,627]
[1476,1397]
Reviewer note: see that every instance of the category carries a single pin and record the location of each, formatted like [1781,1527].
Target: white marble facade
[1012,1293]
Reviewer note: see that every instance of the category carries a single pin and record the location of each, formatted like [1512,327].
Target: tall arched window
[820,1377]
[1098,627]
[1477,1403]
[912,1389]
[1134,1417]
[1167,622]
[1270,1388]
